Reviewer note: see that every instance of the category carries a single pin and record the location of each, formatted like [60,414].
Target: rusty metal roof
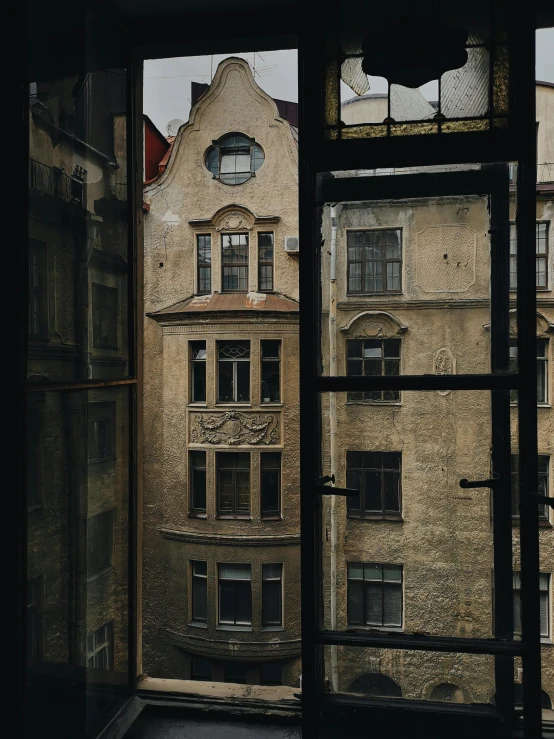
[217,302]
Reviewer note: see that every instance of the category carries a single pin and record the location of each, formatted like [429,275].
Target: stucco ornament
[234,428]
[234,221]
[373,324]
[444,363]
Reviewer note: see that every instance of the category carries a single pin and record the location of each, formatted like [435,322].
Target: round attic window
[234,158]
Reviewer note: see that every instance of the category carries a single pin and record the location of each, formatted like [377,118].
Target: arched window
[447,693]
[234,158]
[545,698]
[374,684]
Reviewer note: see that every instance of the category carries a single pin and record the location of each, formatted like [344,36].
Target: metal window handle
[322,489]
[465,483]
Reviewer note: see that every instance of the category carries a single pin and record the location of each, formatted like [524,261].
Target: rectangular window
[197,481]
[101,431]
[99,543]
[271,362]
[374,594]
[377,476]
[270,481]
[543,485]
[544,585]
[104,315]
[541,251]
[265,262]
[38,299]
[34,619]
[234,262]
[542,369]
[373,357]
[199,610]
[197,371]
[271,673]
[100,648]
[236,672]
[235,594]
[374,261]
[272,595]
[233,482]
[204,263]
[233,362]
[200,669]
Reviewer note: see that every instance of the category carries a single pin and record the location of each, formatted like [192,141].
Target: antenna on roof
[173,126]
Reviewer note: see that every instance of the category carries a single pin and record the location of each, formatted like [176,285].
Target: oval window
[234,159]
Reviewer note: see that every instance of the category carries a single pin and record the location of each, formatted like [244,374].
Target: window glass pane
[225,383]
[243,382]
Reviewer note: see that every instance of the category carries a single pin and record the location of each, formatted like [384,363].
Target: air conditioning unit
[291,244]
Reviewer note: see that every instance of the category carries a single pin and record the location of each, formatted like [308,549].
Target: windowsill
[381,629]
[543,523]
[198,403]
[193,514]
[539,405]
[272,404]
[100,460]
[273,628]
[374,402]
[271,517]
[546,640]
[234,292]
[233,627]
[398,518]
[233,404]
[374,295]
[197,624]
[233,516]
[96,575]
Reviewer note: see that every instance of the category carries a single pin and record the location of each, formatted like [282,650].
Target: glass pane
[78,236]
[77,558]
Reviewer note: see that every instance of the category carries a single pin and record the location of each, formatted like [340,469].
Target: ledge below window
[376,517]
[233,516]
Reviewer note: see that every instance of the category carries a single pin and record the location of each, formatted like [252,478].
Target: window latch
[493,483]
[322,489]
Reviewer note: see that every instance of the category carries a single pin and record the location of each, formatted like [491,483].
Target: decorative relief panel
[444,363]
[234,221]
[234,428]
[445,258]
[373,324]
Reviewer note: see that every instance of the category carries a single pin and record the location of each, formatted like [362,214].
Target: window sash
[383,364]
[235,595]
[543,486]
[199,606]
[544,588]
[379,486]
[374,261]
[270,481]
[272,595]
[266,254]
[233,483]
[374,602]
[100,648]
[270,374]
[204,263]
[542,369]
[541,250]
[198,371]
[234,262]
[197,481]
[233,376]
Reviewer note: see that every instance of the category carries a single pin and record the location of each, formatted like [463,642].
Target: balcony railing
[53,182]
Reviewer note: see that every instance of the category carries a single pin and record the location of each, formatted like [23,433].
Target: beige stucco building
[221,593]
[415,554]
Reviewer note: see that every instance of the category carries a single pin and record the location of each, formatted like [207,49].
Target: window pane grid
[233,371]
[541,250]
[197,461]
[544,595]
[234,262]
[233,482]
[270,476]
[265,262]
[543,486]
[374,261]
[270,379]
[199,591]
[235,594]
[373,357]
[272,595]
[374,594]
[377,476]
[204,262]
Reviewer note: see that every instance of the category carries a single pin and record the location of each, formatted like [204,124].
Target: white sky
[167,81]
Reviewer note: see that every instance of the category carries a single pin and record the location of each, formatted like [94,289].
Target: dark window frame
[235,510]
[101,412]
[100,302]
[539,256]
[272,583]
[203,265]
[226,265]
[265,263]
[198,590]
[393,396]
[100,543]
[364,473]
[386,586]
[38,294]
[215,153]
[235,380]
[383,261]
[546,629]
[195,346]
[542,359]
[266,512]
[106,646]
[238,590]
[198,674]
[543,487]
[194,467]
[269,362]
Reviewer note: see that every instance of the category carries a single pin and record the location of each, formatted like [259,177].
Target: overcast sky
[167,81]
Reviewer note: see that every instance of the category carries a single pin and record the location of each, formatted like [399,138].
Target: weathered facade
[221,589]
[412,296]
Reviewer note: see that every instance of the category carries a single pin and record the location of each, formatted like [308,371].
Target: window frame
[235,512]
[267,361]
[544,461]
[267,581]
[538,255]
[195,580]
[545,596]
[200,265]
[265,513]
[266,263]
[194,361]
[384,359]
[385,584]
[513,365]
[218,146]
[197,511]
[98,303]
[234,625]
[235,361]
[362,512]
[109,415]
[226,265]
[385,261]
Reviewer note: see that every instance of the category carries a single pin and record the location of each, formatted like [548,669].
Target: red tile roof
[255,302]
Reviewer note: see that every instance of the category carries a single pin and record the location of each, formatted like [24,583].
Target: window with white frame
[541,251]
[544,586]
[542,369]
[233,362]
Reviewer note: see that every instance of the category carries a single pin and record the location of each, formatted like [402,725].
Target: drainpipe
[335,212]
